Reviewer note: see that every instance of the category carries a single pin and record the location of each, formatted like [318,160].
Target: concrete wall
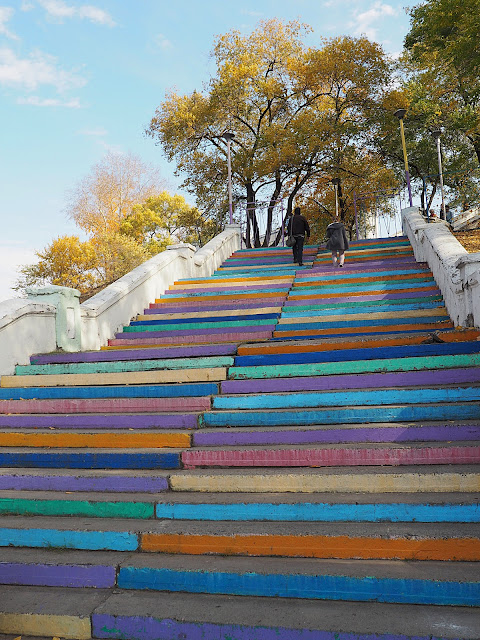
[456,272]
[28,326]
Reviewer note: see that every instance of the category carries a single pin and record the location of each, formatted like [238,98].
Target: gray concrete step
[37,609]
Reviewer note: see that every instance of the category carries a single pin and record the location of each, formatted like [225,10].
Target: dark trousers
[298,249]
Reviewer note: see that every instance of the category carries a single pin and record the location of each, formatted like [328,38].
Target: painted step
[125,614]
[100,459]
[277,507]
[286,436]
[213,362]
[120,378]
[360,353]
[244,618]
[152,314]
[353,398]
[90,421]
[284,507]
[346,415]
[436,583]
[418,480]
[459,377]
[157,327]
[409,541]
[149,341]
[125,391]
[422,363]
[345,343]
[308,334]
[103,440]
[140,354]
[85,481]
[326,301]
[107,405]
[346,456]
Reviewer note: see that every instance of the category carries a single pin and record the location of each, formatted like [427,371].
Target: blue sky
[79,79]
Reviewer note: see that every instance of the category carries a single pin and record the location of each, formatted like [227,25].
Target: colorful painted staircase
[270,452]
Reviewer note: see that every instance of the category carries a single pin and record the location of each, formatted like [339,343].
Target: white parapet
[456,272]
[28,327]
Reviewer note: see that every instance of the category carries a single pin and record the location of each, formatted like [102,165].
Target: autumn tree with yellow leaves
[297,113]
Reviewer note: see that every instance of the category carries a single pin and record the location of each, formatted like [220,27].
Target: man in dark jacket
[337,242]
[298,227]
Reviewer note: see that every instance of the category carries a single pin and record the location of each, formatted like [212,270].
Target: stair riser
[234,336]
[345,482]
[338,436]
[331,457]
[284,546]
[357,415]
[117,405]
[349,398]
[86,460]
[313,587]
[138,391]
[139,354]
[319,512]
[369,366]
[77,483]
[362,353]
[325,587]
[87,422]
[358,381]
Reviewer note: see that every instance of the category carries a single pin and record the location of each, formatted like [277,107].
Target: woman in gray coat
[337,242]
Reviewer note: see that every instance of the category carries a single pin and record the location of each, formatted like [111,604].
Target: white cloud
[59,9]
[162,41]
[99,132]
[36,70]
[254,14]
[26,6]
[36,101]
[364,22]
[5,14]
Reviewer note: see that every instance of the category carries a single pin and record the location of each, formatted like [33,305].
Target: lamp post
[336,182]
[400,114]
[436,136]
[229,136]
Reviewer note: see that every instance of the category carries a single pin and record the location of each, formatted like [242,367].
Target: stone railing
[456,271]
[51,318]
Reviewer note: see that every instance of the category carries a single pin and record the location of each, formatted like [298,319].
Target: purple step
[46,575]
[99,421]
[442,433]
[137,354]
[114,483]
[357,381]
[240,288]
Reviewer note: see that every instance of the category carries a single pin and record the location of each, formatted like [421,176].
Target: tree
[293,111]
[444,46]
[102,199]
[67,262]
[164,218]
[84,265]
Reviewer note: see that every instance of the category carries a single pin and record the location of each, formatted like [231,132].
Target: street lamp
[336,182]
[229,136]
[436,136]
[400,114]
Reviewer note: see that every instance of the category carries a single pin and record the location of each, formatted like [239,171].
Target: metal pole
[356,214]
[228,136]
[405,159]
[436,135]
[400,114]
[282,222]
